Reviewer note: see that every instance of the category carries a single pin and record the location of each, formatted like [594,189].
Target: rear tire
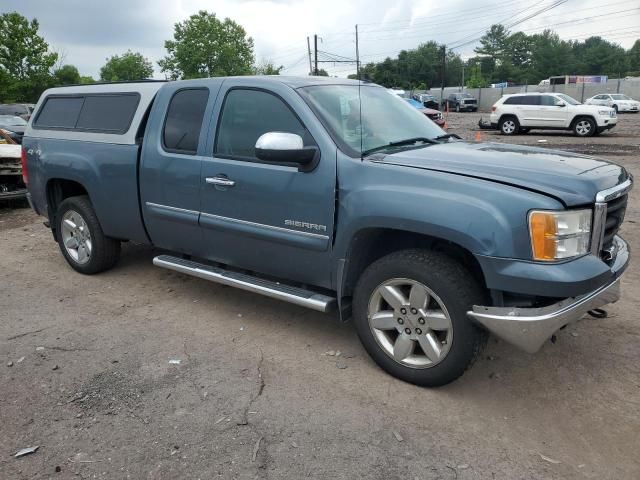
[424,336]
[615,107]
[584,127]
[81,239]
[509,125]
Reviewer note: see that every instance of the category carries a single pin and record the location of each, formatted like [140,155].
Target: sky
[86,32]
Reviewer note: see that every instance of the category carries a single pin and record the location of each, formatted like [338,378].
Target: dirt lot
[255,395]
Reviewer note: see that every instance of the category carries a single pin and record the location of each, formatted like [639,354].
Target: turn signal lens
[558,235]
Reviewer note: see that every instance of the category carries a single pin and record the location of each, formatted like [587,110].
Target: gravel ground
[143,373]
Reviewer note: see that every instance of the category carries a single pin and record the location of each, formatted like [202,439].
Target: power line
[546,8]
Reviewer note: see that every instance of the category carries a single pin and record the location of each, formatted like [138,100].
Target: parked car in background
[520,112]
[22,110]
[11,182]
[461,102]
[427,100]
[13,126]
[434,115]
[617,101]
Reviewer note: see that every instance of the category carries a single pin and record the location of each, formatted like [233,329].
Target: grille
[471,102]
[615,216]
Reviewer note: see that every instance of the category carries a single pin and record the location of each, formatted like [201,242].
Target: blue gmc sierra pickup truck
[334,195]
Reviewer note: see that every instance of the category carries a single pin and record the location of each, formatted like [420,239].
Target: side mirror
[561,104]
[287,149]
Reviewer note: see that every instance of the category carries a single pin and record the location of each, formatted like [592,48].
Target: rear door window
[183,124]
[513,101]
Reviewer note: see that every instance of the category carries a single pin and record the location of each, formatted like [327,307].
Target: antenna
[361,129]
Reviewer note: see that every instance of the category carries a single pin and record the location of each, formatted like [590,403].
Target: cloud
[89,32]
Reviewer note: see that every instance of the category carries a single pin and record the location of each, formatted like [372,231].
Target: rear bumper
[529,328]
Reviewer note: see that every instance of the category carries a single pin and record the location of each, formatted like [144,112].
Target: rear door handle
[222,181]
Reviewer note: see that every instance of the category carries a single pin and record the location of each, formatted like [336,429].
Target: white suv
[521,112]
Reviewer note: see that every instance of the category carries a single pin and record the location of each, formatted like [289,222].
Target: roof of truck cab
[147,90]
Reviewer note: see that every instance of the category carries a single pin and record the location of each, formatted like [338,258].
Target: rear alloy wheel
[509,125]
[410,312]
[584,127]
[81,239]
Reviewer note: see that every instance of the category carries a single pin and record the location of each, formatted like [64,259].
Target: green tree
[596,56]
[66,75]
[86,79]
[204,46]
[25,59]
[321,73]
[633,56]
[493,43]
[267,68]
[126,67]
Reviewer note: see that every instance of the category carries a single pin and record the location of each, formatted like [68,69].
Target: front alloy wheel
[410,311]
[584,127]
[410,323]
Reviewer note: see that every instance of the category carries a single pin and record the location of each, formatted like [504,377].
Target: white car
[617,101]
[522,112]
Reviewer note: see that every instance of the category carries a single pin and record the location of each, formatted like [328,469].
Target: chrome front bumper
[529,328]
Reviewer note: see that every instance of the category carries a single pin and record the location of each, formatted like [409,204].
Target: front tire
[509,125]
[584,127]
[81,239]
[458,108]
[410,312]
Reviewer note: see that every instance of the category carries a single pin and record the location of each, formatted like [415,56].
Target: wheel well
[507,115]
[578,117]
[59,189]
[372,244]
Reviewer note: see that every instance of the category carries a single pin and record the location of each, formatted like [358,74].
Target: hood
[571,178]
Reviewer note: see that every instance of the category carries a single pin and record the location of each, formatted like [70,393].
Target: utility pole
[462,84]
[357,55]
[315,46]
[309,50]
[444,68]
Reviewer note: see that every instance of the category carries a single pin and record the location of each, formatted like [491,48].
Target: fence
[488,96]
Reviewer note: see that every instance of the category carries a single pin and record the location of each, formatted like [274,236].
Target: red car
[434,115]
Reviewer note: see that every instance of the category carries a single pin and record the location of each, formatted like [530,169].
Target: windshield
[568,99]
[465,95]
[385,117]
[11,120]
[619,96]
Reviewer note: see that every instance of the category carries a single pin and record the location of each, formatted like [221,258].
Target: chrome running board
[295,295]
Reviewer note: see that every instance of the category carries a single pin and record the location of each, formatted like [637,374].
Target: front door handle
[222,181]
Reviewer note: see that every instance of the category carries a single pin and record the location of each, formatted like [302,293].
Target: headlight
[604,112]
[557,235]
